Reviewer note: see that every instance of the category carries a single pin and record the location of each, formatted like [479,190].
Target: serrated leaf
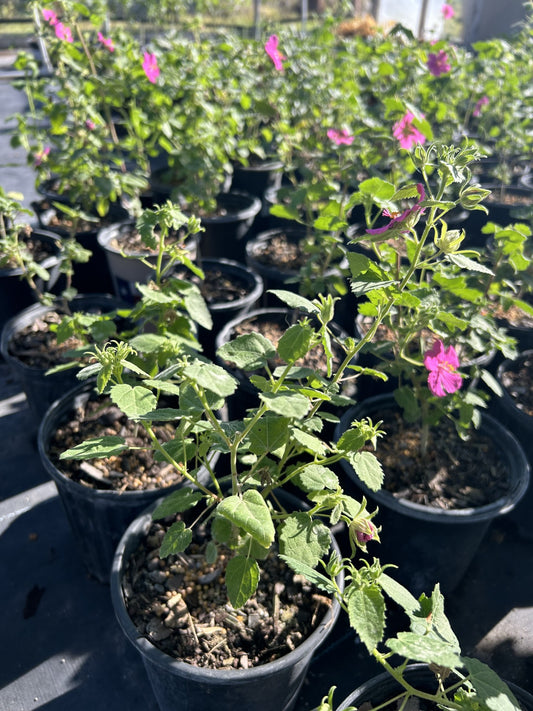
[489,688]
[97,447]
[424,648]
[295,342]
[249,351]
[163,386]
[466,263]
[251,514]
[177,502]
[133,401]
[242,578]
[397,592]
[316,477]
[176,540]
[366,611]
[269,435]
[197,308]
[368,469]
[295,301]
[211,377]
[310,442]
[287,404]
[304,539]
[310,574]
[148,342]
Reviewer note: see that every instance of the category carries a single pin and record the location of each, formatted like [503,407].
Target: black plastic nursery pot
[257,178]
[97,517]
[127,270]
[178,685]
[428,544]
[226,233]
[509,410]
[224,311]
[518,201]
[15,294]
[42,390]
[379,689]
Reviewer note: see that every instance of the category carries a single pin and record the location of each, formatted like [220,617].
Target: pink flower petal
[271,48]
[50,17]
[63,32]
[106,41]
[340,137]
[150,67]
[447,11]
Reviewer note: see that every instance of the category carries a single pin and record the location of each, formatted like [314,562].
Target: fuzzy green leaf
[466,263]
[249,351]
[316,477]
[310,442]
[295,301]
[251,514]
[366,611]
[211,377]
[269,435]
[286,403]
[133,401]
[303,538]
[176,539]
[176,502]
[97,447]
[424,648]
[242,578]
[295,342]
[489,688]
[368,469]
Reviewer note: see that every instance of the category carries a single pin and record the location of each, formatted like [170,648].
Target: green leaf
[284,211]
[466,263]
[295,342]
[251,514]
[197,308]
[295,301]
[176,539]
[310,574]
[242,578]
[133,401]
[249,351]
[489,688]
[399,594]
[269,435]
[304,539]
[97,447]
[176,502]
[366,611]
[316,477]
[287,404]
[368,469]
[424,648]
[310,442]
[211,377]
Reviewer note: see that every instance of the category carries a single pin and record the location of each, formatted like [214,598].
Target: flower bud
[472,196]
[361,531]
[449,241]
[419,156]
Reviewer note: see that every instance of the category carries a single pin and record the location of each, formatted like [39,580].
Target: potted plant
[30,258]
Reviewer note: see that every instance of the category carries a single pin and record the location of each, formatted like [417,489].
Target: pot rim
[47,262]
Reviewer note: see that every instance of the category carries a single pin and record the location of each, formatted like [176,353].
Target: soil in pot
[180,604]
[130,470]
[456,474]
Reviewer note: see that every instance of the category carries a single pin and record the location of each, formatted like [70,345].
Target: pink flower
[447,11]
[442,364]
[106,41]
[50,17]
[479,105]
[365,536]
[340,137]
[63,32]
[90,124]
[150,67]
[271,48]
[407,133]
[40,156]
[400,217]
[438,63]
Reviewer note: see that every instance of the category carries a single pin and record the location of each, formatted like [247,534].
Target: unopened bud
[471,196]
[362,530]
[449,241]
